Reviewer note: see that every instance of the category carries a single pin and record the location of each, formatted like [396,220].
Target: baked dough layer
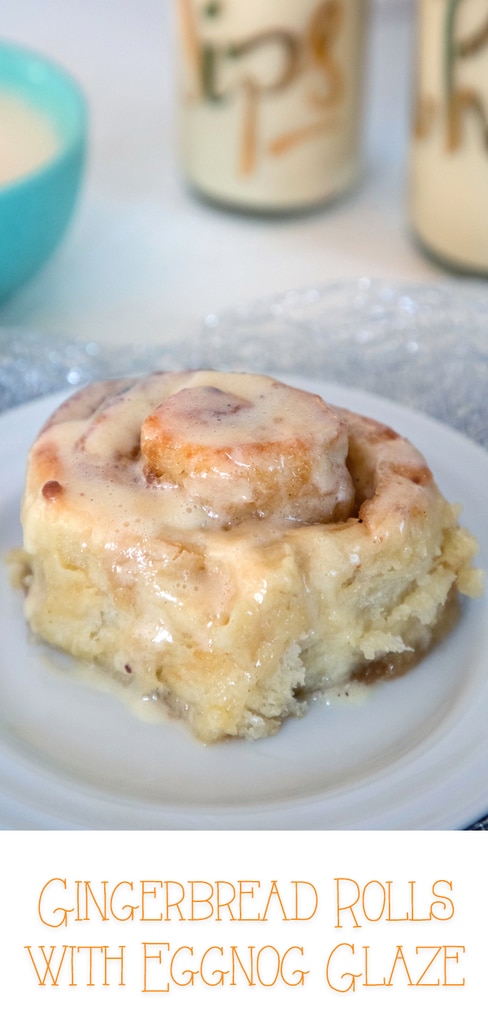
[234,612]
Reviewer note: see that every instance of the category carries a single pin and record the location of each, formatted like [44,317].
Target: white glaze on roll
[231,607]
[201,449]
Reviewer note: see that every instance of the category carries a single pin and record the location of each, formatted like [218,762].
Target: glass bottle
[449,153]
[271,99]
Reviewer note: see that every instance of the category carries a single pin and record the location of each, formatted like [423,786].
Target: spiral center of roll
[207,415]
[263,449]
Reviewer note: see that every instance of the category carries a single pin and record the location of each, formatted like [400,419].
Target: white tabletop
[144,259]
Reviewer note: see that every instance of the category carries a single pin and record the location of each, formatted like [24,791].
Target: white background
[453,865]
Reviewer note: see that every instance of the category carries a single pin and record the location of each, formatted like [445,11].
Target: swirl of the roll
[215,448]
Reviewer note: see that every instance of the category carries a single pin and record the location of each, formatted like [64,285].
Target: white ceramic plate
[413,756]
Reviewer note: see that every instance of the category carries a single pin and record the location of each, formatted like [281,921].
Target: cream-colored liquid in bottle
[449,157]
[27,138]
[271,99]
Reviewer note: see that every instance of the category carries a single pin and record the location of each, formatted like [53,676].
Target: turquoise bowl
[36,208]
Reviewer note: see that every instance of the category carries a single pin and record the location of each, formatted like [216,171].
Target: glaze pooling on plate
[421,762]
[233,547]
[411,757]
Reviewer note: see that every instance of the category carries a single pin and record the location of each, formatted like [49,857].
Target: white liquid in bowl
[27,138]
